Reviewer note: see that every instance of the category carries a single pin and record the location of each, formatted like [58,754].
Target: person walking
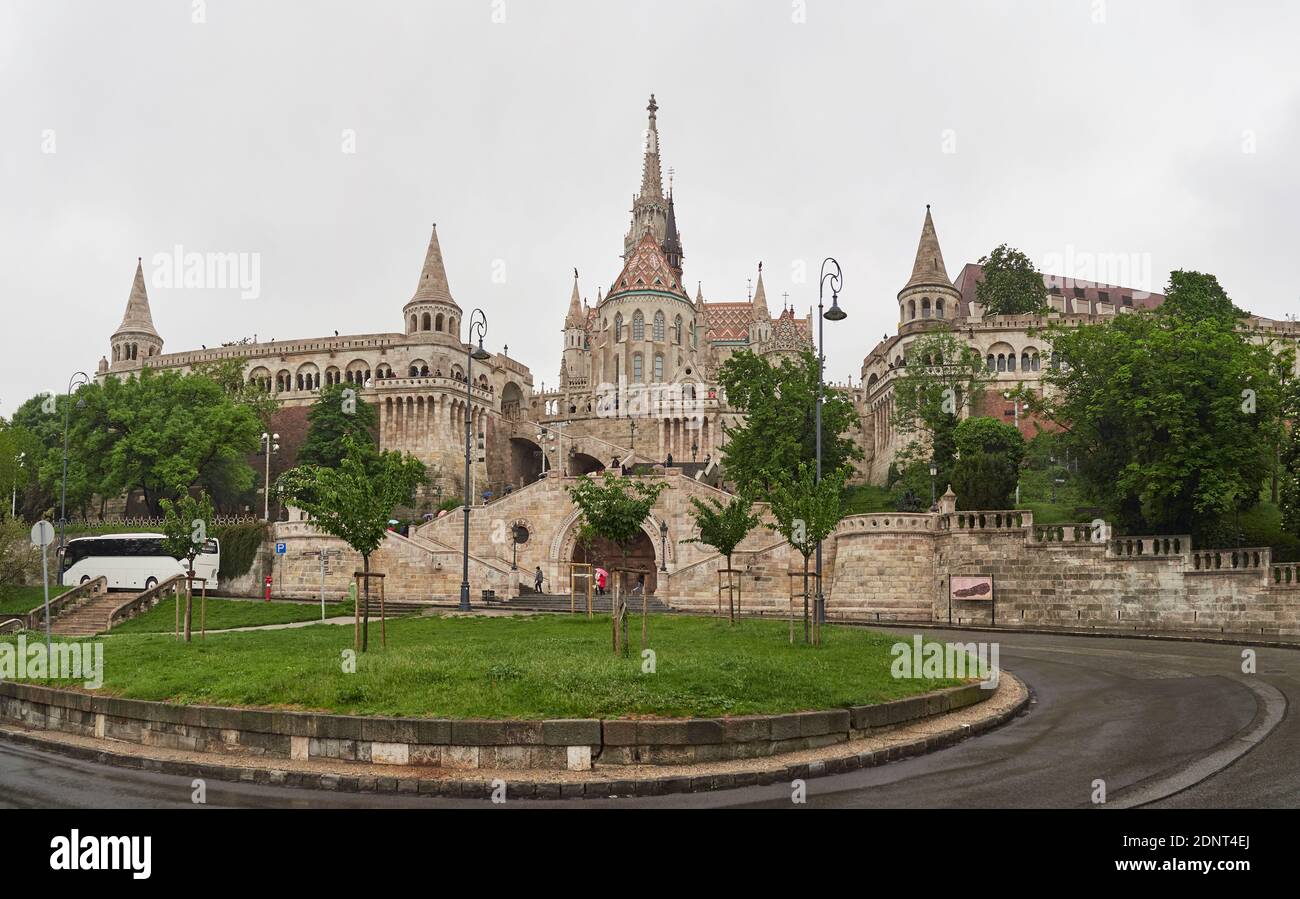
[537,580]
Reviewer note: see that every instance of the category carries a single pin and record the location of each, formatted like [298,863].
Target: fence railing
[1286,574]
[1084,532]
[1015,519]
[1231,561]
[1155,547]
[143,602]
[35,619]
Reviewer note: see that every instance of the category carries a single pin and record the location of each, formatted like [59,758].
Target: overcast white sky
[1166,134]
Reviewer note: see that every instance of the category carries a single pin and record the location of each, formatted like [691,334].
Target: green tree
[337,416]
[1171,416]
[937,385]
[187,522]
[988,464]
[1196,296]
[1011,285]
[614,508]
[722,526]
[806,511]
[229,375]
[779,427]
[355,500]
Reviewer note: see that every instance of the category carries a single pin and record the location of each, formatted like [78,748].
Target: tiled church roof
[647,269]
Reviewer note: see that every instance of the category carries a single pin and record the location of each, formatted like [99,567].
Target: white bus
[133,561]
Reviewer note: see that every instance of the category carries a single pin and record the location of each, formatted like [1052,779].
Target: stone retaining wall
[573,744]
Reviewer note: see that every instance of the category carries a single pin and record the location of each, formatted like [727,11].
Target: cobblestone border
[871,752]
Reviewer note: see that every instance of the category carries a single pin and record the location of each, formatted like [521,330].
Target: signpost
[280,550]
[43,536]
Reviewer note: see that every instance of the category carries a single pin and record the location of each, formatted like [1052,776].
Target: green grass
[21,600]
[516,667]
[226,613]
[866,498]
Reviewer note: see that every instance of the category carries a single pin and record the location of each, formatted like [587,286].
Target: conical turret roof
[928,269]
[138,319]
[433,276]
[761,312]
[575,318]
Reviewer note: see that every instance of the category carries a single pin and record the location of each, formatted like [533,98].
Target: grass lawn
[21,600]
[516,667]
[225,613]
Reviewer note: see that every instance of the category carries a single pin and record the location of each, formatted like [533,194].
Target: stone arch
[426,322]
[562,541]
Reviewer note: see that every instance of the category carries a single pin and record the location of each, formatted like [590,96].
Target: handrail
[142,601]
[92,587]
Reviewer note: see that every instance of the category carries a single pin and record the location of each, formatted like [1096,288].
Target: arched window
[1002,362]
[637,373]
[677,330]
[638,325]
[618,327]
[911,309]
[659,367]
[938,308]
[1024,362]
[438,322]
[413,323]
[925,307]
[991,362]
[1011,361]
[659,326]
[452,326]
[1034,360]
[426,322]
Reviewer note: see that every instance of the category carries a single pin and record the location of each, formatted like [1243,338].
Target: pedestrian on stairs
[537,580]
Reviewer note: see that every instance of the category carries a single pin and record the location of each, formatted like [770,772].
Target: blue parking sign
[281,549]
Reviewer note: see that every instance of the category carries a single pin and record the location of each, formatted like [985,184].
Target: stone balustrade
[1253,559]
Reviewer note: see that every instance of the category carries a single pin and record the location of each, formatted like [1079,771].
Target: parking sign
[281,549]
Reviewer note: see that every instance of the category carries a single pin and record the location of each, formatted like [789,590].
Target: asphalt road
[1164,724]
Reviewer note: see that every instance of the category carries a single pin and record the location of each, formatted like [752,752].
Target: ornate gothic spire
[650,206]
[575,318]
[652,185]
[761,312]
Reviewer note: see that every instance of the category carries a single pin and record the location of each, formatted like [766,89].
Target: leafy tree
[614,508]
[1289,499]
[187,522]
[779,428]
[337,416]
[723,527]
[355,500]
[1171,416]
[806,511]
[939,383]
[1011,285]
[229,374]
[1196,296]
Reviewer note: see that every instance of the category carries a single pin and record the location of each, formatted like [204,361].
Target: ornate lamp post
[79,379]
[663,546]
[477,329]
[835,314]
[934,472]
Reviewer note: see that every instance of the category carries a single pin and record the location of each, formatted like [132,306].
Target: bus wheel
[151,583]
[84,578]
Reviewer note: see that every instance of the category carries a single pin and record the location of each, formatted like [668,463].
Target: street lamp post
[934,472]
[63,500]
[13,502]
[477,328]
[835,314]
[663,546]
[269,446]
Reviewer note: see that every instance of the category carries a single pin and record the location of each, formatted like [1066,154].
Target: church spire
[652,185]
[928,269]
[575,318]
[761,312]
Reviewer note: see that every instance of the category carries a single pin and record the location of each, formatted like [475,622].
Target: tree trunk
[731,594]
[189,601]
[805,599]
[365,601]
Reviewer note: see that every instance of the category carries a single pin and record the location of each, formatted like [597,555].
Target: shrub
[239,547]
[20,562]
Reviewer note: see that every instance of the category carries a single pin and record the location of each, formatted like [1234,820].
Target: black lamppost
[63,500]
[477,328]
[835,314]
[695,449]
[663,546]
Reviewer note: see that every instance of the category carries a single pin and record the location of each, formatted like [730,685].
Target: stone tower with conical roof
[135,338]
[574,365]
[760,323]
[431,309]
[929,293]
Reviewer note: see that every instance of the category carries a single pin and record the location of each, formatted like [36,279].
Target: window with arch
[991,362]
[911,309]
[413,325]
[438,322]
[618,327]
[938,308]
[637,372]
[638,325]
[677,330]
[659,366]
[426,322]
[925,307]
[1002,362]
[1011,361]
[659,326]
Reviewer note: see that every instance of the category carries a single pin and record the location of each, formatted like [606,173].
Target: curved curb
[483,788]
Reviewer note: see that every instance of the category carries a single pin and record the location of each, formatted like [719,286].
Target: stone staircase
[559,602]
[87,618]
